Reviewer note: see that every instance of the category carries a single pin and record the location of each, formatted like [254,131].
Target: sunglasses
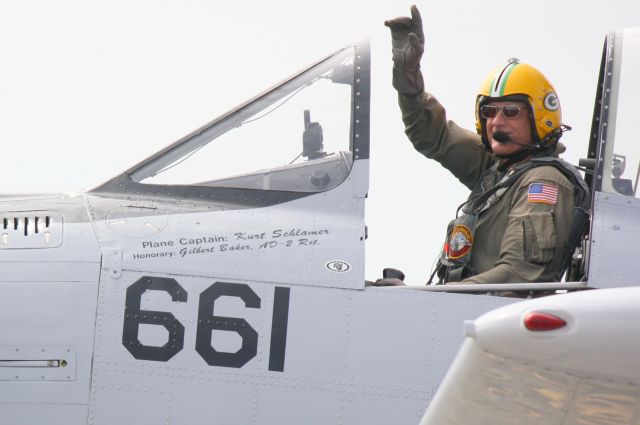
[509,111]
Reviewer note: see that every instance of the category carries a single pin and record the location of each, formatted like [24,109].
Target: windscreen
[622,147]
[296,137]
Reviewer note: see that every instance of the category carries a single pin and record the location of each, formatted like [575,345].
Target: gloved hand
[407,41]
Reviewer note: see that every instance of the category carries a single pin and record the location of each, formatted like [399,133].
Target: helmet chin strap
[516,157]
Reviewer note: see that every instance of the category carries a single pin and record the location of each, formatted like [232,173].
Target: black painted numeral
[133,317]
[207,321]
[279,325]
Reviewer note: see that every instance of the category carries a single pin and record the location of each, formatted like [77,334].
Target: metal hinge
[112,261]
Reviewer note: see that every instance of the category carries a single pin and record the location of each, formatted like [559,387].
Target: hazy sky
[88,88]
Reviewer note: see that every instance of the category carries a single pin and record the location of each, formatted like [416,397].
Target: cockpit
[300,137]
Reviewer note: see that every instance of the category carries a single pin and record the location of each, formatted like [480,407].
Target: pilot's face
[513,121]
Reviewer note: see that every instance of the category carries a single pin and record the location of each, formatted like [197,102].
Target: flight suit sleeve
[457,149]
[536,231]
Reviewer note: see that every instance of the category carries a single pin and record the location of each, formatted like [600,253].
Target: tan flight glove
[407,41]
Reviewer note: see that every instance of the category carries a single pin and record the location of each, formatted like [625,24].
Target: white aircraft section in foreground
[583,372]
[221,280]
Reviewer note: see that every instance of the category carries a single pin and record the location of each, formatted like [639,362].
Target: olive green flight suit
[515,240]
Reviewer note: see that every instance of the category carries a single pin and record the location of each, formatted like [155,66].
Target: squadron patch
[543,193]
[460,242]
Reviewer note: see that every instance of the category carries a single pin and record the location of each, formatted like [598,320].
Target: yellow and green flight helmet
[522,82]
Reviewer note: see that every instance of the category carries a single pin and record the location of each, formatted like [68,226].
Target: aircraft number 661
[207,321]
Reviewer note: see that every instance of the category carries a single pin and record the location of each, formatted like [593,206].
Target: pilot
[516,225]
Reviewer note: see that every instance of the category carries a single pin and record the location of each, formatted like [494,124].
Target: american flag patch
[545,193]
